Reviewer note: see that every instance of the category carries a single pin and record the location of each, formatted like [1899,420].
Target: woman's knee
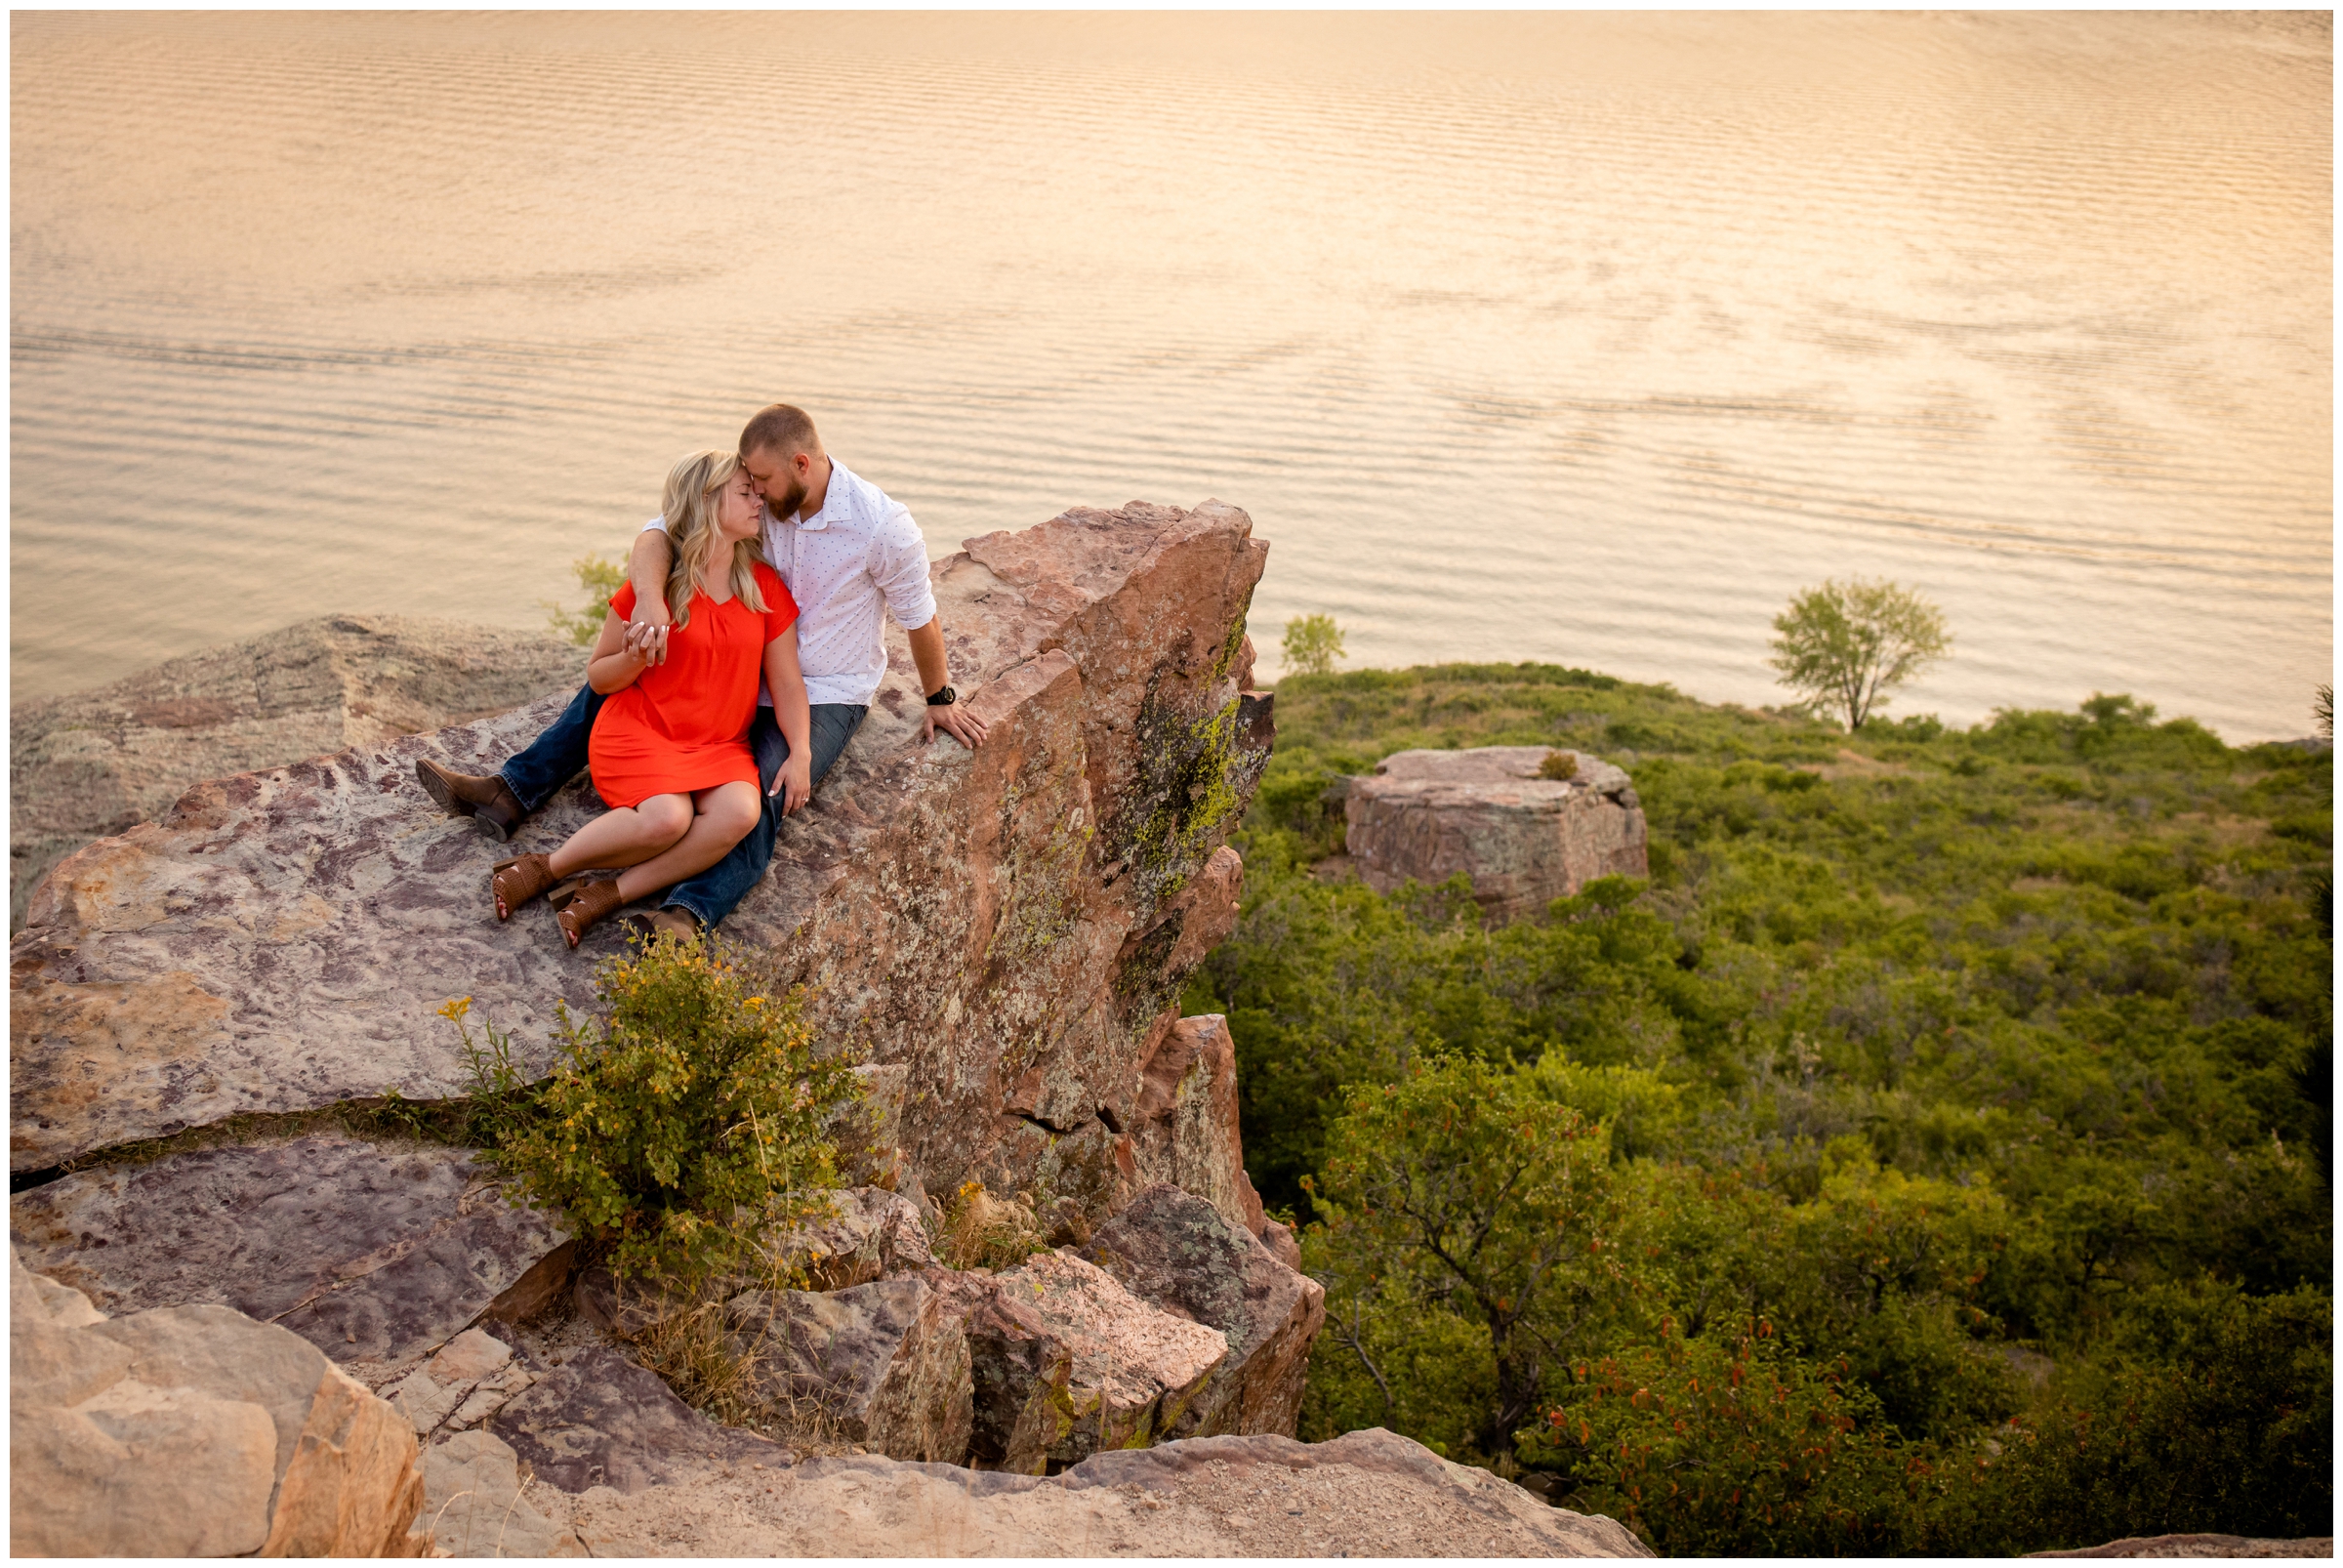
[731,810]
[665,818]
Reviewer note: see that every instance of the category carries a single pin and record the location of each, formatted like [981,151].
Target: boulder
[598,1420]
[881,1364]
[872,1234]
[370,1252]
[1178,1253]
[1524,838]
[96,762]
[475,1498]
[1009,926]
[1134,1370]
[1020,1373]
[194,1431]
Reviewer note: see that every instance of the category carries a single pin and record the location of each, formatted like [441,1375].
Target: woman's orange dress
[684,725]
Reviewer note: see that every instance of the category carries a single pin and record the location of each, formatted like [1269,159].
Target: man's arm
[954,721]
[647,568]
[898,563]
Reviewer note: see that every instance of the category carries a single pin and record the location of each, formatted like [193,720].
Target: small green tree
[1463,1189]
[1313,642]
[1846,644]
[601,578]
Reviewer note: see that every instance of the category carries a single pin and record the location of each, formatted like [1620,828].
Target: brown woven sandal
[517,880]
[594,901]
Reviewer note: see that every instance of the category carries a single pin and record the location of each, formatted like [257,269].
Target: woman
[669,753]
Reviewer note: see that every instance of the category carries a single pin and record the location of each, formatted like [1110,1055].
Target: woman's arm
[786,680]
[613,665]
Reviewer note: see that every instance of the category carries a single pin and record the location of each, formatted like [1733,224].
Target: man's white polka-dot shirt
[846,566]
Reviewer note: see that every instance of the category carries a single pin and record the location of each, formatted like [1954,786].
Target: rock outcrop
[1500,815]
[96,762]
[1009,924]
[193,1431]
[1136,1370]
[2203,1545]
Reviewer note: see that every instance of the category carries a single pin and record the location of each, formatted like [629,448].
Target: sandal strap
[522,879]
[592,902]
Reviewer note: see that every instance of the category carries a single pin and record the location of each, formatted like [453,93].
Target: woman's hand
[794,782]
[615,661]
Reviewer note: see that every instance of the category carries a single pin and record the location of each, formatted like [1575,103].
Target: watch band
[944,697]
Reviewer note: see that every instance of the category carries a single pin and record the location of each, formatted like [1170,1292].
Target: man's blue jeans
[555,757]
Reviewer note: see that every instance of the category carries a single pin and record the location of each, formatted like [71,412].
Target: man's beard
[790,501]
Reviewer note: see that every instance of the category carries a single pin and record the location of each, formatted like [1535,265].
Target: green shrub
[697,1101]
[2211,1412]
[601,578]
[1728,1444]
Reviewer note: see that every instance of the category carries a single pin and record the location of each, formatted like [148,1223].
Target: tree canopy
[1845,646]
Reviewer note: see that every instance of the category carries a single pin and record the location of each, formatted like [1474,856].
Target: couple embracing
[731,670]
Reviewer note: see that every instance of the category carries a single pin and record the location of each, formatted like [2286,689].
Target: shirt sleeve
[623,600]
[899,564]
[780,610]
[659,523]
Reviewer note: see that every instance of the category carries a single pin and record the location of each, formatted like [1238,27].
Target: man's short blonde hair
[781,429]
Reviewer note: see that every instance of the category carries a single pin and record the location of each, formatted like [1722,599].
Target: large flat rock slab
[96,762]
[372,1253]
[1006,925]
[1364,1495]
[1524,838]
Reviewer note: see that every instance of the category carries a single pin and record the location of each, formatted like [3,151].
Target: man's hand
[793,783]
[646,569]
[646,634]
[954,721]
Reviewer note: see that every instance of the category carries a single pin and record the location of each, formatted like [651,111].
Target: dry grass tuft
[982,1231]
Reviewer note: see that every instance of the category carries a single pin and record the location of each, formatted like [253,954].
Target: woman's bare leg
[722,819]
[625,836]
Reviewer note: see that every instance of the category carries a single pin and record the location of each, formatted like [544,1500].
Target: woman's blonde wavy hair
[695,486]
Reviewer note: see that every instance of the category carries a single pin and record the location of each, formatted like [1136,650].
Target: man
[848,554]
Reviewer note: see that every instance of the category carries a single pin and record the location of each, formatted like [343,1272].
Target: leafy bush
[2213,1411]
[697,1101]
[601,578]
[1728,1444]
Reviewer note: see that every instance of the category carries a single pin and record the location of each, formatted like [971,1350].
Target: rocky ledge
[101,762]
[999,937]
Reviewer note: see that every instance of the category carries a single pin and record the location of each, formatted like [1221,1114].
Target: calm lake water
[1585,337]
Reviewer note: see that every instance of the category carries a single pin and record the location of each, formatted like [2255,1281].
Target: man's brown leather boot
[671,920]
[489,802]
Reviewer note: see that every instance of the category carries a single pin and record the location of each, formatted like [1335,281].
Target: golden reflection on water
[1572,336]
